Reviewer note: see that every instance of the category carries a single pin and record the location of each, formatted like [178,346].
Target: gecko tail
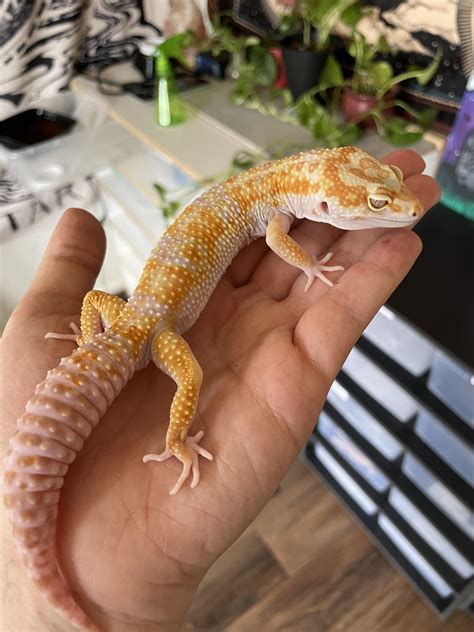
[55,589]
[58,419]
[37,551]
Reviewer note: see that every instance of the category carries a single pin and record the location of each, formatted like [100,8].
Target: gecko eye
[378,202]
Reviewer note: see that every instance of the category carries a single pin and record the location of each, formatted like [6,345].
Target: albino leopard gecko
[344,187]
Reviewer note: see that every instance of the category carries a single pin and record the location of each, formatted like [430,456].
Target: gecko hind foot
[75,336]
[317,269]
[189,464]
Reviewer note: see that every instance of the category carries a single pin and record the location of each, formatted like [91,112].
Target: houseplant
[307,37]
[251,66]
[322,116]
[373,85]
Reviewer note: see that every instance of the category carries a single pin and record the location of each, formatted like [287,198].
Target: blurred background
[129,108]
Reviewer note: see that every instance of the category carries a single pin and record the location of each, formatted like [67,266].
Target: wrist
[168,614]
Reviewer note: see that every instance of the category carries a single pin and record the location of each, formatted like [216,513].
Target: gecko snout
[417,211]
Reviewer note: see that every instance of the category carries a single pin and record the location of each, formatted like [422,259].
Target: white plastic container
[430,533]
[407,549]
[400,341]
[351,453]
[447,445]
[380,386]
[439,494]
[453,385]
[345,480]
[366,425]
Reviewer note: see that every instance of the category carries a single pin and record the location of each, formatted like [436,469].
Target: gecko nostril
[324,207]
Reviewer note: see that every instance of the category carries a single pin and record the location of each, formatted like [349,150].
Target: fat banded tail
[66,407]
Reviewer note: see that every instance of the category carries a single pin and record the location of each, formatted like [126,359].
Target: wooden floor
[305,566]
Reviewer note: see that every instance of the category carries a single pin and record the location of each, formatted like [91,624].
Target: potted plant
[307,37]
[321,116]
[224,40]
[252,64]
[373,85]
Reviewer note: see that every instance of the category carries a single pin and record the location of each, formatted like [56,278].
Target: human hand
[132,554]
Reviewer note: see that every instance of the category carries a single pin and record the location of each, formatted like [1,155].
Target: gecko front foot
[75,336]
[317,268]
[188,453]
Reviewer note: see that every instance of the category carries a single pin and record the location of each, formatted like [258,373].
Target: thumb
[69,266]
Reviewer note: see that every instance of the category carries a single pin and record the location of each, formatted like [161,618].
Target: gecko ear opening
[397,171]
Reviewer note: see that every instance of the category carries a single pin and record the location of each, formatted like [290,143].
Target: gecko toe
[188,454]
[163,456]
[184,475]
[317,269]
[75,336]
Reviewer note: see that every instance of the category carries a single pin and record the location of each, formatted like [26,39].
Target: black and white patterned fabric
[41,44]
[41,41]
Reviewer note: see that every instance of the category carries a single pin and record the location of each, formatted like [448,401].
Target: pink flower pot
[353,105]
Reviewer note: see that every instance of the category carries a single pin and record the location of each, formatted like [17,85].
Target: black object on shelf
[33,126]
[303,68]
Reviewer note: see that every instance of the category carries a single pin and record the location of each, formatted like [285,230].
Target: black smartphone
[32,127]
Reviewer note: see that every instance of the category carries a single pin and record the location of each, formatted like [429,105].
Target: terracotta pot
[354,104]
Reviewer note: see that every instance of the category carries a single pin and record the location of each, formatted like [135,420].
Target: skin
[132,554]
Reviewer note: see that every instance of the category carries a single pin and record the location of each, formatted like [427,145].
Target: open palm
[269,351]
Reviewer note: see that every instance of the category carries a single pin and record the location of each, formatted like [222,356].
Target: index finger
[331,326]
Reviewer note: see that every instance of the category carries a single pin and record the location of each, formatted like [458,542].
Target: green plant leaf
[170,209]
[423,118]
[242,91]
[352,14]
[286,96]
[349,135]
[318,10]
[360,50]
[322,125]
[397,133]
[331,73]
[383,45]
[422,75]
[289,25]
[161,191]
[244,160]
[382,72]
[252,40]
[264,66]
[306,110]
[426,117]
[403,139]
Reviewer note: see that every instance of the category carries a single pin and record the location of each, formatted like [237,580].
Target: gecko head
[357,191]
